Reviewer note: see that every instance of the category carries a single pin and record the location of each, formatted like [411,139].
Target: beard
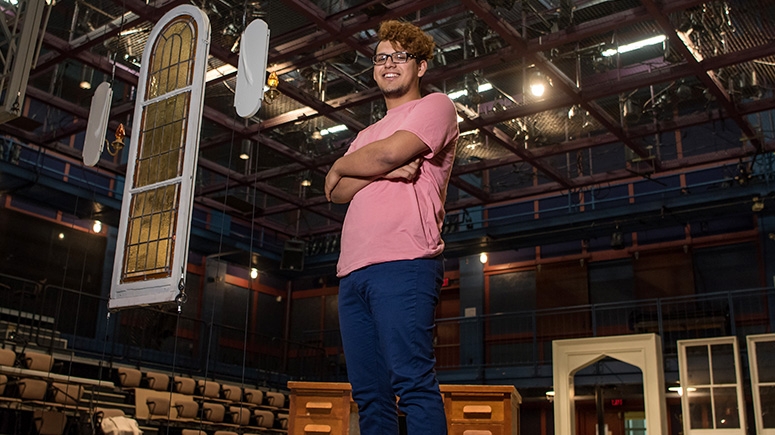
[396,92]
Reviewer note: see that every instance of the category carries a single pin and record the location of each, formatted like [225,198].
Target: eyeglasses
[397,57]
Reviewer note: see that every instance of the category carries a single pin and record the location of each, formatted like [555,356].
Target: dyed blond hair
[409,36]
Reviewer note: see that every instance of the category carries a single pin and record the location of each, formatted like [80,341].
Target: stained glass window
[153,236]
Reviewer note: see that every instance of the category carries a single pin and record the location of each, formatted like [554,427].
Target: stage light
[617,240]
[537,84]
[245,149]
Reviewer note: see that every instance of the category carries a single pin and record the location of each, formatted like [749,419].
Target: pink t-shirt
[392,220]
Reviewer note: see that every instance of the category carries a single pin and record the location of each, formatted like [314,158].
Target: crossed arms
[395,157]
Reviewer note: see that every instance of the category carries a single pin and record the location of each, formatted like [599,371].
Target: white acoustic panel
[251,72]
[98,124]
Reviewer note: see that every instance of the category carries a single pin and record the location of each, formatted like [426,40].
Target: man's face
[396,79]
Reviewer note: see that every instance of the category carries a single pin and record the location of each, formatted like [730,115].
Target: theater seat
[253,396]
[49,422]
[129,378]
[184,385]
[38,361]
[7,357]
[67,394]
[157,381]
[263,417]
[231,393]
[209,388]
[32,389]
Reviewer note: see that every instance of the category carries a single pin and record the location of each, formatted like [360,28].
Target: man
[395,177]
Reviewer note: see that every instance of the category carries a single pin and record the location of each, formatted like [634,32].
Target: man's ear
[422,67]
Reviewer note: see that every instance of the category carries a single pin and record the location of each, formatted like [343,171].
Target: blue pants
[386,316]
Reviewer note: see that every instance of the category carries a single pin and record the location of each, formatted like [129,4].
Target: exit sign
[617,402]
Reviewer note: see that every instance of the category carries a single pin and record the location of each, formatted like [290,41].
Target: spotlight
[537,84]
[245,149]
[683,92]
[631,110]
[617,240]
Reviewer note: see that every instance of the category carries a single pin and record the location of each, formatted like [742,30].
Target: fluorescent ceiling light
[635,45]
[219,72]
[334,129]
[484,87]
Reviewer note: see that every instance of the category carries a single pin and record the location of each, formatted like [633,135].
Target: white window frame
[752,341]
[683,377]
[164,289]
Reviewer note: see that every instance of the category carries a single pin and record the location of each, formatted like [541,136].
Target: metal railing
[525,338]
[157,337]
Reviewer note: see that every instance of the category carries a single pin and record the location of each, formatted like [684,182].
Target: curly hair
[409,36]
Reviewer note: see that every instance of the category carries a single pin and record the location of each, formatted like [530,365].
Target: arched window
[152,243]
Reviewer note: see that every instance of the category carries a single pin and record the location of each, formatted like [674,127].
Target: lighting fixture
[550,395]
[635,45]
[305,178]
[617,239]
[245,149]
[87,74]
[97,227]
[484,87]
[118,143]
[61,236]
[758,204]
[483,258]
[334,129]
[316,135]
[272,82]
[537,84]
[253,273]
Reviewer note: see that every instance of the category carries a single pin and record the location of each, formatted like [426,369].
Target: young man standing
[395,177]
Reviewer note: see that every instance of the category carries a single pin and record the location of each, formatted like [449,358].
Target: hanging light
[306,180]
[537,84]
[245,149]
[87,74]
[272,82]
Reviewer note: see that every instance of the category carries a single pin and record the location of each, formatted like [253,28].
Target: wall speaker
[293,255]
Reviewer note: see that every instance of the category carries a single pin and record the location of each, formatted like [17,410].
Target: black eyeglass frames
[397,57]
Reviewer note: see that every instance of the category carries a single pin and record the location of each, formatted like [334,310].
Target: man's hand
[332,179]
[406,172]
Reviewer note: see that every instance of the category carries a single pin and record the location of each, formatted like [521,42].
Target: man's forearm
[347,187]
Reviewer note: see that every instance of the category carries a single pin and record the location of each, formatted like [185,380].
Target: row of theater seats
[27,384]
[32,386]
[187,403]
